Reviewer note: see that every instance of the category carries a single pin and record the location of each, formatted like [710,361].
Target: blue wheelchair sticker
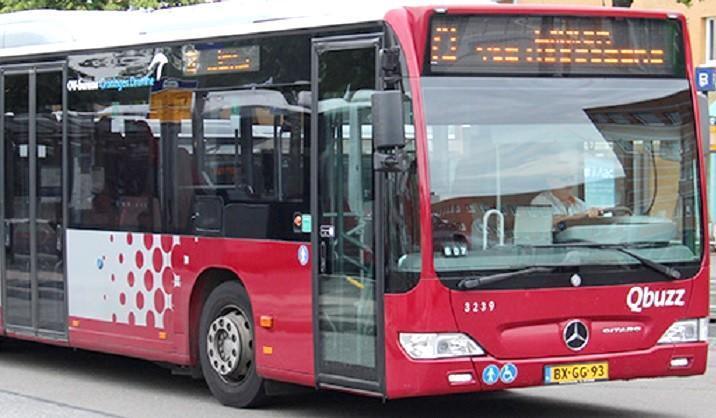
[508,374]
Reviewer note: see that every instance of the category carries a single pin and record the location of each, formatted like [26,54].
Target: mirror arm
[395,162]
[390,66]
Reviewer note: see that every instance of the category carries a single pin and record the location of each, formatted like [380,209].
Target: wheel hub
[229,345]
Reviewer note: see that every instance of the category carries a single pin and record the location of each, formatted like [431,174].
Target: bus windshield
[520,168]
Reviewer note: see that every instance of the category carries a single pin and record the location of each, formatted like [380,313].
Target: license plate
[576,373]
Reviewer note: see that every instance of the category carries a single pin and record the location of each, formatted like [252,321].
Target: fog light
[679,362]
[460,378]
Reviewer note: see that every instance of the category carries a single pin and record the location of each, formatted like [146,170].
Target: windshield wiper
[474,282]
[665,270]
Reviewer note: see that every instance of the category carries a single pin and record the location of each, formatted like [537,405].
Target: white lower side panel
[120,277]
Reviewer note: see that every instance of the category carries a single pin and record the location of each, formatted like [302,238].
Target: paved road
[43,381]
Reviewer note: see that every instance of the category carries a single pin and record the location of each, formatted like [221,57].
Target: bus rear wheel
[226,347]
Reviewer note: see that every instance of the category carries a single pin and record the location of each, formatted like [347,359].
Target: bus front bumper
[439,377]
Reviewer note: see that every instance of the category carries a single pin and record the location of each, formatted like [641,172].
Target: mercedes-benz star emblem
[576,335]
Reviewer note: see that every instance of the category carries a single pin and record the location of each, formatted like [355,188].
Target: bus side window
[253,157]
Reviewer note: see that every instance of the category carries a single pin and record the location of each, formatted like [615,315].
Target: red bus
[399,202]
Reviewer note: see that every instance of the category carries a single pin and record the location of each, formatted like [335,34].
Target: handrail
[500,223]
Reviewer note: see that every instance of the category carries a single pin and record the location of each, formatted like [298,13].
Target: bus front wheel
[226,347]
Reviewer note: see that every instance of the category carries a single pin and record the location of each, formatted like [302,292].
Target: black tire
[242,388]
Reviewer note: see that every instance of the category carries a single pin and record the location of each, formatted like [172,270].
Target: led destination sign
[200,61]
[555,44]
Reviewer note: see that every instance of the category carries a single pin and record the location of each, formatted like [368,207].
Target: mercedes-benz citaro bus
[392,200]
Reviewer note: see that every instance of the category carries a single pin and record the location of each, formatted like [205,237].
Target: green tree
[17,5]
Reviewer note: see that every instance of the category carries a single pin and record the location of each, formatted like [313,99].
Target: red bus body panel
[278,285]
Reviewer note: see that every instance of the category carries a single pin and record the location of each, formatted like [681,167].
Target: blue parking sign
[705,79]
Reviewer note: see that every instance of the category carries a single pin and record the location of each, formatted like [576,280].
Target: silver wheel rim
[229,345]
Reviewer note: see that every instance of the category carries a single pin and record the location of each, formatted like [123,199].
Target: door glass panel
[50,280]
[345,206]
[18,310]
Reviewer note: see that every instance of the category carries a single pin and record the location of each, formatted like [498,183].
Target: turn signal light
[266,321]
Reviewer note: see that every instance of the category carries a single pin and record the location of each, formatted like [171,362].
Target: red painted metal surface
[278,285]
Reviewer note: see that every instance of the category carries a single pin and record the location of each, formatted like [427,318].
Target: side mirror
[388,127]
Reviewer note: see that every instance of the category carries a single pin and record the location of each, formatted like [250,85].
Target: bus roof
[45,31]
[38,32]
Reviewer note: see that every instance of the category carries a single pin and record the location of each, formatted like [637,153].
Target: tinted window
[154,148]
[251,159]
[114,145]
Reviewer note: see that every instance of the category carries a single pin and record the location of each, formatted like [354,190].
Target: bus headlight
[425,346]
[686,331]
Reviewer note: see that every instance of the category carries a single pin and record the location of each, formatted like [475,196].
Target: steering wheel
[618,210]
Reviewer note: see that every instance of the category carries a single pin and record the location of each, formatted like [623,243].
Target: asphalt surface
[43,381]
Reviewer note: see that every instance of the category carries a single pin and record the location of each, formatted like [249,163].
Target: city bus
[393,200]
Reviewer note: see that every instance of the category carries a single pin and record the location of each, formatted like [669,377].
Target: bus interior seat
[207,214]
[246,220]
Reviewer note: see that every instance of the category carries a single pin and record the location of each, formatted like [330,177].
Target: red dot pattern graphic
[159,301]
[168,315]
[166,243]
[148,280]
[144,299]
[150,319]
[168,279]
[157,260]
[148,241]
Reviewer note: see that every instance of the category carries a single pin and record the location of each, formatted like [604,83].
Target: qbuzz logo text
[640,298]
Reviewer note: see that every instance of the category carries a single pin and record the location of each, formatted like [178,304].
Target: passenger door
[32,150]
[347,291]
